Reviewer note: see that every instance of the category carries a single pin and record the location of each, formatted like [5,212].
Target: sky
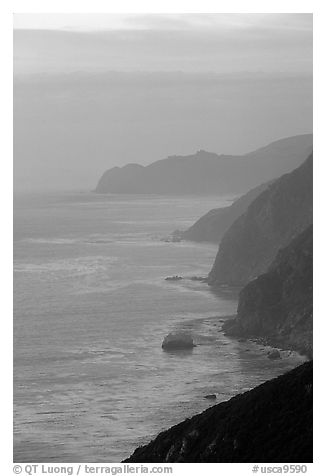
[94,91]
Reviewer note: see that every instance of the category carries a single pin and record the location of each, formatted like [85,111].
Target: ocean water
[91,308]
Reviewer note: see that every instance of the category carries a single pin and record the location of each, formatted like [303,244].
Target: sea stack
[178,341]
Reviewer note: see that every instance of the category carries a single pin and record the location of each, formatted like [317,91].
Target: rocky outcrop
[212,226]
[271,423]
[272,220]
[279,304]
[177,341]
[208,173]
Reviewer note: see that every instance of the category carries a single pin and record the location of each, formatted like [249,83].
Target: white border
[167,6]
[161,6]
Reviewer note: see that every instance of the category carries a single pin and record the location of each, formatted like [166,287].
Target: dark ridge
[272,423]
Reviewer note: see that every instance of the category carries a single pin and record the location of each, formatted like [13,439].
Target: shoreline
[252,346]
[230,328]
[279,411]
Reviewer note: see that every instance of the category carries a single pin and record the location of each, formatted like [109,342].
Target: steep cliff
[271,423]
[208,173]
[212,226]
[272,220]
[279,303]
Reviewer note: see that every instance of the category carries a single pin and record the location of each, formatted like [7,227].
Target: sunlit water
[91,307]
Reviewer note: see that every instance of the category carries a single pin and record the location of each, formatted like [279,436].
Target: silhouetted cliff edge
[271,423]
[272,220]
[208,173]
[279,304]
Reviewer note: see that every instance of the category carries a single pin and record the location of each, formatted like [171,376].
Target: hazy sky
[94,91]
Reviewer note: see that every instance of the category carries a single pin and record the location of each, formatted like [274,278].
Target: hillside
[208,173]
[271,423]
[279,303]
[272,220]
[212,226]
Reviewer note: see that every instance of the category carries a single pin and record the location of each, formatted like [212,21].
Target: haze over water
[93,92]
[91,307]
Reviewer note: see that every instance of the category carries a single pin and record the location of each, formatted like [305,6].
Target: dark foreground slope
[271,423]
[208,173]
[212,226]
[279,304]
[272,220]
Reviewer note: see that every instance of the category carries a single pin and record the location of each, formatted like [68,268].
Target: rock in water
[274,354]
[177,340]
[211,396]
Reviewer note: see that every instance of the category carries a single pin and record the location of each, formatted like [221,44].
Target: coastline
[255,346]
[303,347]
[187,441]
[272,422]
[193,399]
[231,328]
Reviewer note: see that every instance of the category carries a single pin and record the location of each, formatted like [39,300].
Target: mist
[154,86]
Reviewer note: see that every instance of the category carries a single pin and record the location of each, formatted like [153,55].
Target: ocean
[91,308]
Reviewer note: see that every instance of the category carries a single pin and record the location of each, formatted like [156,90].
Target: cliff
[271,423]
[271,221]
[212,226]
[279,304]
[208,173]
